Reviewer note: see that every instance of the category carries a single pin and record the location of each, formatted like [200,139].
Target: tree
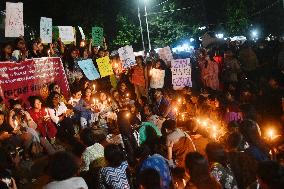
[237,14]
[128,32]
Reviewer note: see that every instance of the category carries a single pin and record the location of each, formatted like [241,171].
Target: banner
[46,30]
[166,54]
[27,78]
[97,36]
[127,56]
[82,33]
[181,73]
[157,78]
[14,23]
[104,66]
[89,69]
[67,34]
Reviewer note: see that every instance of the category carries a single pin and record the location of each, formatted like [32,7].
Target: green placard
[55,33]
[98,36]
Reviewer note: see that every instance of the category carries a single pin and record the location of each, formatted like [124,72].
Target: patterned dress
[114,178]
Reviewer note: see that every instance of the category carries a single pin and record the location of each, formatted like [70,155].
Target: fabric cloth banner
[82,33]
[166,54]
[181,73]
[14,23]
[127,56]
[157,78]
[31,77]
[46,30]
[67,34]
[97,36]
[89,69]
[104,66]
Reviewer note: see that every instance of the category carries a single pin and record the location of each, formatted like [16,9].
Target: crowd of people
[119,132]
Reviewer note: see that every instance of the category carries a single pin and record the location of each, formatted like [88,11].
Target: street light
[141,29]
[147,25]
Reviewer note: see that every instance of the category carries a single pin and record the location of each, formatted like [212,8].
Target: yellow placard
[104,66]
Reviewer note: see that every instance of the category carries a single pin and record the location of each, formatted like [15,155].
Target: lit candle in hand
[16,124]
[94,86]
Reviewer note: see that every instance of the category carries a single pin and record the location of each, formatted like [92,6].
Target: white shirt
[71,183]
[55,113]
[92,153]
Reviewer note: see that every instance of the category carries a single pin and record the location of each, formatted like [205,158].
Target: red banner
[31,77]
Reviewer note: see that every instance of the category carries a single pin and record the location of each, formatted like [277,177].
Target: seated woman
[63,168]
[219,166]
[54,87]
[115,174]
[94,149]
[105,110]
[198,168]
[60,115]
[45,126]
[87,96]
[81,109]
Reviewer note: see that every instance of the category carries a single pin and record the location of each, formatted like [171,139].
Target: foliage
[128,33]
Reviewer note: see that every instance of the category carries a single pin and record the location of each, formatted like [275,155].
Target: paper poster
[127,56]
[46,30]
[104,66]
[82,33]
[89,69]
[67,34]
[14,23]
[157,78]
[181,73]
[97,36]
[31,77]
[165,54]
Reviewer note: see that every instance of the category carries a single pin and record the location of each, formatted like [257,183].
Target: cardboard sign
[127,56]
[67,34]
[27,78]
[165,54]
[181,73]
[157,78]
[46,30]
[89,69]
[97,36]
[104,66]
[14,23]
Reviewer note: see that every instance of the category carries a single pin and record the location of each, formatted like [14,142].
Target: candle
[271,134]
[182,117]
[127,115]
[109,100]
[16,124]
[94,86]
[48,52]
[179,100]
[127,95]
[94,101]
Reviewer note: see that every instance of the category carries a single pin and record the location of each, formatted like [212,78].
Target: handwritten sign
[127,56]
[181,73]
[98,36]
[89,69]
[165,54]
[27,78]
[104,66]
[14,23]
[157,78]
[82,33]
[46,30]
[67,34]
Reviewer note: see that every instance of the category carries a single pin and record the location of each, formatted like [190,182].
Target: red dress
[45,128]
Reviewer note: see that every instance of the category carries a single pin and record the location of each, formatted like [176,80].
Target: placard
[157,78]
[166,54]
[67,34]
[46,30]
[29,77]
[104,66]
[181,73]
[127,56]
[97,36]
[89,69]
[14,22]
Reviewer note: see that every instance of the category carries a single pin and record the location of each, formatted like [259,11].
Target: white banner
[181,73]
[14,23]
[157,78]
[46,30]
[127,56]
[66,33]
